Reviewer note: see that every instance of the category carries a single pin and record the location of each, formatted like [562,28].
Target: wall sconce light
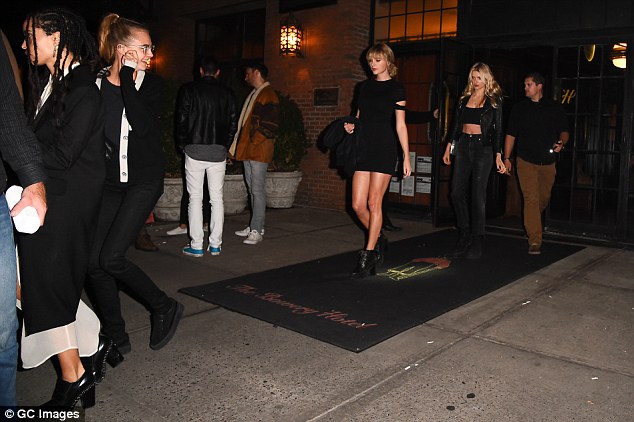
[618,55]
[291,37]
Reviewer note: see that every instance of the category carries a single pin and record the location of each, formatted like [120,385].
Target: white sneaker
[253,238]
[244,232]
[176,231]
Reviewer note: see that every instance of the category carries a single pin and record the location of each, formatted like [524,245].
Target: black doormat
[319,299]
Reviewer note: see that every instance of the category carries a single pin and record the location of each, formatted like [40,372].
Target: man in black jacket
[206,122]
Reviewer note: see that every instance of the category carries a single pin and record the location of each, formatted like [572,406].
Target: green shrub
[174,164]
[290,142]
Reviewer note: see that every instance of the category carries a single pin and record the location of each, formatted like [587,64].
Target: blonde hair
[115,30]
[491,88]
[383,51]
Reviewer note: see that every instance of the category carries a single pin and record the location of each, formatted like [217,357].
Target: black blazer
[75,155]
[348,147]
[18,145]
[490,124]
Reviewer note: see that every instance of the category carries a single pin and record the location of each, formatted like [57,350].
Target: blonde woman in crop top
[475,142]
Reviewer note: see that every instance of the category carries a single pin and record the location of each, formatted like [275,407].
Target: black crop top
[472,115]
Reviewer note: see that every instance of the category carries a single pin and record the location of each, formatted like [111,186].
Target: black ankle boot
[366,264]
[475,251]
[106,352]
[380,249]
[67,394]
[464,242]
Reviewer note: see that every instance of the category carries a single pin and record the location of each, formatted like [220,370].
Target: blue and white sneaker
[196,253]
[214,250]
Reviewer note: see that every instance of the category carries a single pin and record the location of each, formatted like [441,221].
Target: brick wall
[174,33]
[335,39]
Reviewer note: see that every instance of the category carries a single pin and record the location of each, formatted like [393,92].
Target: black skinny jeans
[473,163]
[124,210]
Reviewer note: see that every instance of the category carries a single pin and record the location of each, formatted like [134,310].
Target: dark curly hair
[73,38]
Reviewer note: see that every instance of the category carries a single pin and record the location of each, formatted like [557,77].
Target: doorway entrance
[593,195]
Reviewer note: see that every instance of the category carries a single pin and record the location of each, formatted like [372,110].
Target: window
[414,20]
[232,38]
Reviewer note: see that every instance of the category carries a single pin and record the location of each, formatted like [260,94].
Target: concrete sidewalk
[556,345]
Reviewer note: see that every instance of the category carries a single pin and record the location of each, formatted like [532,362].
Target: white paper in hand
[27,221]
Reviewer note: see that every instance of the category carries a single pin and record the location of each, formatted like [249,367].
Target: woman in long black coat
[67,117]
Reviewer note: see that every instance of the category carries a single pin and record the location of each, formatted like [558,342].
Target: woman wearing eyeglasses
[135,165]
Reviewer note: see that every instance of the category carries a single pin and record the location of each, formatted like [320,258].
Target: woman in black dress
[382,114]
[66,112]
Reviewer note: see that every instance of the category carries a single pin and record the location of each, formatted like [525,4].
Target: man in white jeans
[254,143]
[206,121]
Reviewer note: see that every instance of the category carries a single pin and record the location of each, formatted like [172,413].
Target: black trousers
[472,167]
[124,209]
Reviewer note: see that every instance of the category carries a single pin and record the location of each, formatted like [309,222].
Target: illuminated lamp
[618,55]
[291,37]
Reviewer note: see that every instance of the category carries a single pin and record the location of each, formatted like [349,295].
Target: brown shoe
[143,242]
[534,249]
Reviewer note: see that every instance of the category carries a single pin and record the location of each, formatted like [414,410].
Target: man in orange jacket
[254,143]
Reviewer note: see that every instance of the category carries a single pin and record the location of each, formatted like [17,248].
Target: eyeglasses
[145,47]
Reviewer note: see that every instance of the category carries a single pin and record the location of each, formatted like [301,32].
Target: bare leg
[378,185]
[69,361]
[75,383]
[360,192]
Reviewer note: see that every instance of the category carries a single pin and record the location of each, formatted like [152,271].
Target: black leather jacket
[490,124]
[206,113]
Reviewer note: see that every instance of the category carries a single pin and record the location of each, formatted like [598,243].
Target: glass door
[456,59]
[592,192]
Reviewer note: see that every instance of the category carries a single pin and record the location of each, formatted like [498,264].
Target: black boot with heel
[475,251]
[67,394]
[106,352]
[380,249]
[366,264]
[463,245]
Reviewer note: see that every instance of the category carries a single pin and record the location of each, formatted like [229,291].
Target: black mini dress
[377,105]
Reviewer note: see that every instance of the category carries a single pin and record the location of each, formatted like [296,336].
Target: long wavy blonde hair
[491,88]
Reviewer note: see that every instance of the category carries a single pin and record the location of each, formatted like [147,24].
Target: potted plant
[284,176]
[168,206]
[234,191]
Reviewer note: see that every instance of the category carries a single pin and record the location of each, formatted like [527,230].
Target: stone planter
[234,194]
[168,207]
[281,188]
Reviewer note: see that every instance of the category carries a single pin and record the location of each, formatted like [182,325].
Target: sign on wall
[326,97]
